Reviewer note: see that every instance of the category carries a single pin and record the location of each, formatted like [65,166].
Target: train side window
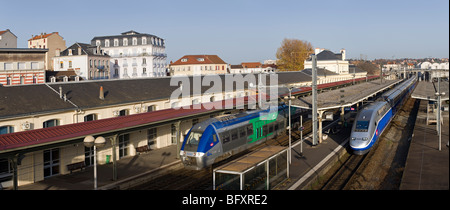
[250,130]
[258,132]
[242,133]
[270,127]
[265,130]
[276,126]
[234,134]
[226,137]
[214,138]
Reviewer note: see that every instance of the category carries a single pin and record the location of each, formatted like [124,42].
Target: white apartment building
[134,55]
[330,61]
[86,61]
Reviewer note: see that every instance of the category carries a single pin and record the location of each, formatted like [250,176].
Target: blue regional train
[220,137]
[372,120]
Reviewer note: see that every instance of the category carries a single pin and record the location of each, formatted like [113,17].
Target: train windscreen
[362,126]
[193,141]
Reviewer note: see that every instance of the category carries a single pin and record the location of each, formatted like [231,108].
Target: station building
[42,125]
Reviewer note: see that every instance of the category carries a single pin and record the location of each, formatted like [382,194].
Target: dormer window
[134,41]
[184,60]
[200,59]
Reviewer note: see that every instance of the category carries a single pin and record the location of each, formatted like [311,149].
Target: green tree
[292,54]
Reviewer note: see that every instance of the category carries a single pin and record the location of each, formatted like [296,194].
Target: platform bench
[75,166]
[142,149]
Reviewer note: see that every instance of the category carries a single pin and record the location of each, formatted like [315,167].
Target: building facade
[52,42]
[330,61]
[20,66]
[134,54]
[198,65]
[8,39]
[87,61]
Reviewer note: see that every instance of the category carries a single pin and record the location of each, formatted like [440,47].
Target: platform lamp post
[89,142]
[439,94]
[290,129]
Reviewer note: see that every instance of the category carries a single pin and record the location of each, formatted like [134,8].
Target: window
[151,136]
[20,65]
[90,63]
[107,43]
[5,169]
[234,134]
[90,117]
[151,108]
[225,137]
[125,42]
[22,80]
[89,156]
[362,126]
[200,59]
[192,141]
[173,131]
[35,79]
[51,162]
[144,61]
[124,144]
[134,41]
[70,64]
[50,123]
[8,81]
[123,112]
[116,42]
[184,60]
[144,40]
[144,70]
[242,132]
[249,130]
[6,129]
[34,65]
[97,43]
[61,65]
[8,66]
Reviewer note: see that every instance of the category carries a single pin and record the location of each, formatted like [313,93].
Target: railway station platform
[310,162]
[427,168]
[130,171]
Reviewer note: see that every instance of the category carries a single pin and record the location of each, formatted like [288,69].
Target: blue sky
[245,30]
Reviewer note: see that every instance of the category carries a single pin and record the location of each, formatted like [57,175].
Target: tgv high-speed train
[371,121]
[220,137]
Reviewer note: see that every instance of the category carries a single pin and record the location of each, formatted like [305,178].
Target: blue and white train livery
[220,137]
[372,120]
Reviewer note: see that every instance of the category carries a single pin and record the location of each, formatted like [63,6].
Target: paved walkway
[128,168]
[427,168]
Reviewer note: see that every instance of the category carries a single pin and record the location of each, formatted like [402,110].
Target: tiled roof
[75,131]
[198,59]
[43,36]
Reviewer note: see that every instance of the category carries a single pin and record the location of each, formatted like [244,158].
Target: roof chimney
[343,54]
[102,94]
[79,50]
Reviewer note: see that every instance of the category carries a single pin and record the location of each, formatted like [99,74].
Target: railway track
[353,171]
[182,179]
[344,174]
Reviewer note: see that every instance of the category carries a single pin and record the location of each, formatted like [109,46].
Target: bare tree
[292,54]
